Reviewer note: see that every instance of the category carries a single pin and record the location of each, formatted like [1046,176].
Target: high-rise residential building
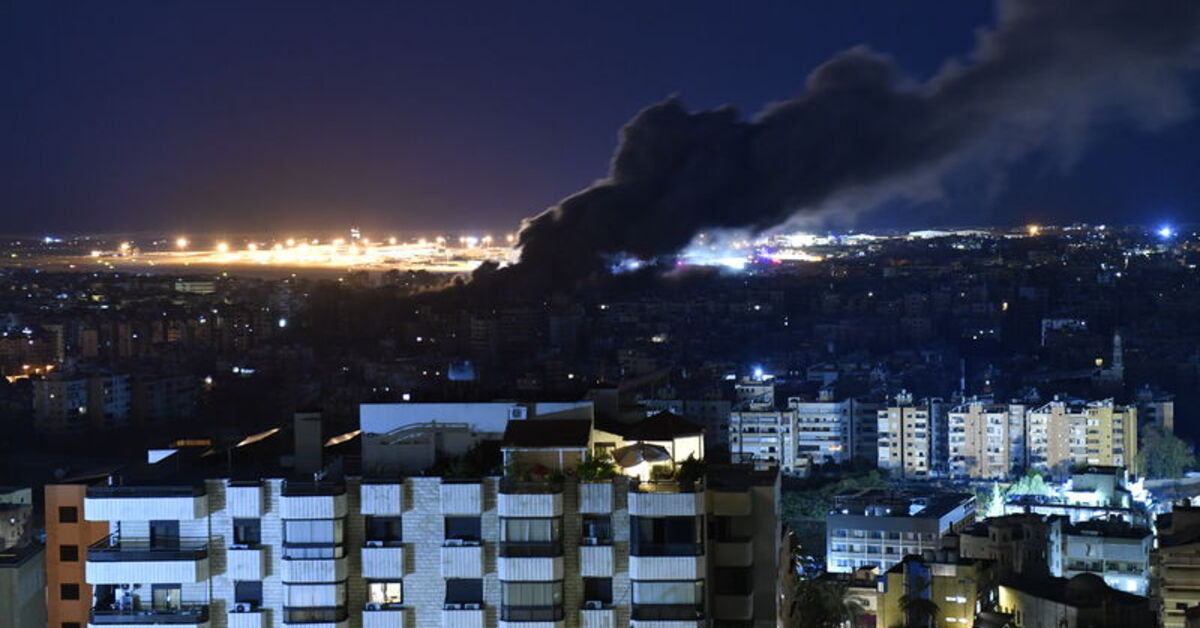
[864,431]
[877,528]
[550,542]
[64,402]
[68,536]
[1155,407]
[822,429]
[22,568]
[1065,434]
[987,440]
[907,437]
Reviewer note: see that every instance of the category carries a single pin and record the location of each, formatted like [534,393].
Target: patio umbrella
[633,455]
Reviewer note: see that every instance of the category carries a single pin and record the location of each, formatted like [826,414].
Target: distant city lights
[1165,232]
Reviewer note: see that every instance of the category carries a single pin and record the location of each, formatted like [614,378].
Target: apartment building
[1063,434]
[822,429]
[906,438]
[1175,565]
[1016,544]
[22,570]
[538,546]
[986,440]
[805,433]
[1113,549]
[68,536]
[1083,601]
[877,528]
[69,402]
[957,586]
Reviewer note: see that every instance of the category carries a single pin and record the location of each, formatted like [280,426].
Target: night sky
[257,116]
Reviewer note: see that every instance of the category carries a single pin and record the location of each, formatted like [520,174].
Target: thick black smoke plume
[1051,71]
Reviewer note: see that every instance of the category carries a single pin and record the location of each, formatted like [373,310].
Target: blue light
[1165,232]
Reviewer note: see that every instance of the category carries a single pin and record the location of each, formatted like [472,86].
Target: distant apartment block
[877,528]
[1066,434]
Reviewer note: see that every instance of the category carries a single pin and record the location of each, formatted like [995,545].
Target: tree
[820,603]
[1031,484]
[919,610]
[1163,455]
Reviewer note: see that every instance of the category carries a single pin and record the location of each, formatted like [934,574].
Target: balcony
[246,563]
[383,617]
[313,500]
[667,616]
[383,562]
[598,618]
[455,616]
[731,503]
[316,616]
[660,567]
[734,553]
[144,503]
[246,619]
[664,499]
[116,560]
[596,561]
[462,498]
[531,617]
[314,569]
[244,499]
[382,498]
[596,498]
[184,616]
[530,499]
[462,561]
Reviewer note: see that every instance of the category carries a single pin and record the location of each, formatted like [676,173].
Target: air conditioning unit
[374,543]
[593,605]
[452,607]
[373,606]
[243,607]
[473,606]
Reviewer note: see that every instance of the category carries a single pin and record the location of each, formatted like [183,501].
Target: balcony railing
[115,548]
[145,491]
[183,615]
[667,486]
[292,488]
[514,486]
[531,613]
[314,614]
[667,612]
[530,549]
[643,548]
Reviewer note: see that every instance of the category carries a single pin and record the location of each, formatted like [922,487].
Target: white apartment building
[906,438]
[795,438]
[877,528]
[1113,550]
[987,440]
[532,549]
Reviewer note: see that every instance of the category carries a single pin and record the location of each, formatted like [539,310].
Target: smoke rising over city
[1048,77]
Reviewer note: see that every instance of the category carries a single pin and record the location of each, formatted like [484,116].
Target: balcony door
[164,534]
[166,598]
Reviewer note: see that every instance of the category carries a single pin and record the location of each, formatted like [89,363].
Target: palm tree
[919,610]
[820,603]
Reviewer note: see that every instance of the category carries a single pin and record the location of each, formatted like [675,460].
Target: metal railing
[294,488]
[314,614]
[116,548]
[514,486]
[531,613]
[666,486]
[146,491]
[668,612]
[183,615]
[643,549]
[530,549]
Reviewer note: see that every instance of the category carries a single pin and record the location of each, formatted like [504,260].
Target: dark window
[70,624]
[597,530]
[384,530]
[666,536]
[247,532]
[463,529]
[164,533]
[597,590]
[68,514]
[248,591]
[68,553]
[464,591]
[734,581]
[68,591]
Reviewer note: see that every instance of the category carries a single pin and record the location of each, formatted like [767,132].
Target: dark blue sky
[188,116]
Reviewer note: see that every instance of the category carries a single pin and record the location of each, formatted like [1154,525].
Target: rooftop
[557,433]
